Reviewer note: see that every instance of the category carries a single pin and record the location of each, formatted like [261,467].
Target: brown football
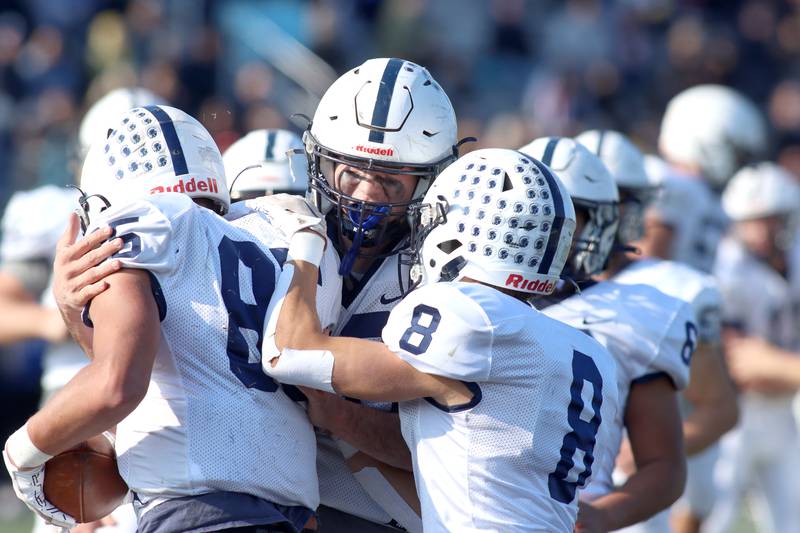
[84,481]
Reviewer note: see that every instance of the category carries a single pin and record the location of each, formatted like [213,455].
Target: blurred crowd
[514,69]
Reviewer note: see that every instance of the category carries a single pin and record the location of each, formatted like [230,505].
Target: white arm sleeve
[439,330]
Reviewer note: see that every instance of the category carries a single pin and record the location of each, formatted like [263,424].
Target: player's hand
[29,487]
[590,519]
[324,408]
[80,267]
[290,213]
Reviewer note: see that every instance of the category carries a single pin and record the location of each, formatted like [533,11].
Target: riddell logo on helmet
[517,281]
[193,185]
[374,150]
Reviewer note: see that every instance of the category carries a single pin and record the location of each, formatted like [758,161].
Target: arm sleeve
[439,330]
[674,352]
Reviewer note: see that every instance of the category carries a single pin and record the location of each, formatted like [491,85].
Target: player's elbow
[677,481]
[728,415]
[122,392]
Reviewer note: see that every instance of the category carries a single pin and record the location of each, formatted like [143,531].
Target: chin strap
[359,229]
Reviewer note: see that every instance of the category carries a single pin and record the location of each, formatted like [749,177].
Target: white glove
[25,463]
[289,213]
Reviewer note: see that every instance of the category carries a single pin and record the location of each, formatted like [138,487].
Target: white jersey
[211,419]
[698,289]
[648,333]
[545,394]
[365,310]
[760,302]
[693,210]
[32,224]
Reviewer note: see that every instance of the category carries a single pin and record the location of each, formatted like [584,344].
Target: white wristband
[309,368]
[23,452]
[306,246]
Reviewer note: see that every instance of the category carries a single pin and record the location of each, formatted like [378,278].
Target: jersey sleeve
[440,331]
[707,307]
[674,352]
[148,231]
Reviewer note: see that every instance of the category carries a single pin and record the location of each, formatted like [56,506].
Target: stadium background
[514,70]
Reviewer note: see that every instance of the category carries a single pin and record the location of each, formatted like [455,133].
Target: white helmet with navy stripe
[385,116]
[261,163]
[592,189]
[497,216]
[761,190]
[98,120]
[154,149]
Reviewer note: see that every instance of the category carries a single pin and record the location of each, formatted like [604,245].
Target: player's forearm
[707,423]
[713,399]
[374,432]
[649,490]
[22,321]
[89,404]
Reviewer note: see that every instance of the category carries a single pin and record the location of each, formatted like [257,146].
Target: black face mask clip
[83,202]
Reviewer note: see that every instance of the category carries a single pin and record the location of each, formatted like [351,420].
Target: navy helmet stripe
[380,113]
[549,150]
[270,151]
[600,143]
[558,221]
[171,136]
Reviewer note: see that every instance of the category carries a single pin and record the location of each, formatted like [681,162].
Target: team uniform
[213,432]
[701,291]
[366,305]
[693,210]
[545,396]
[649,334]
[758,301]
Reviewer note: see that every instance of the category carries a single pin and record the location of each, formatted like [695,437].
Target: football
[84,481]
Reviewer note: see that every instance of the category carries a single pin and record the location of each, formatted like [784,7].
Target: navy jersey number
[426,332]
[583,434]
[243,315]
[130,238]
[691,342]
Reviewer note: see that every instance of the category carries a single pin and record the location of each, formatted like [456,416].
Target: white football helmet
[495,216]
[385,116]
[626,164]
[759,191]
[99,119]
[150,150]
[715,128]
[260,163]
[592,189]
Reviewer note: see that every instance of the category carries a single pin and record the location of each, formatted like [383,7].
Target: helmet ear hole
[448,247]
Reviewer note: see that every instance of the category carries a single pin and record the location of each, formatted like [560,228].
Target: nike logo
[589,178]
[593,321]
[387,301]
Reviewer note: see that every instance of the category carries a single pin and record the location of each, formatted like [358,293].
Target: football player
[260,163]
[708,132]
[32,223]
[757,271]
[651,336]
[503,409]
[175,344]
[710,394]
[380,135]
